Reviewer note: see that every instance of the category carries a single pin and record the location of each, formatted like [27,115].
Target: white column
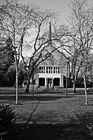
[45,82]
[52,82]
[45,69]
[61,81]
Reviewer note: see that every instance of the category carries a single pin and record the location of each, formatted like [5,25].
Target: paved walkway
[50,109]
[54,112]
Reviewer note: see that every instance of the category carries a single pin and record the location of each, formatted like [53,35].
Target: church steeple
[50,34]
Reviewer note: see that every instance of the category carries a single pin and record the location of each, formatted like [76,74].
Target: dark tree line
[7,65]
[6,60]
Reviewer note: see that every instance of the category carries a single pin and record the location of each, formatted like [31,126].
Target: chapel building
[51,72]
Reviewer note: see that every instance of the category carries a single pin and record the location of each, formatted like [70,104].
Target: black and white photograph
[46,69]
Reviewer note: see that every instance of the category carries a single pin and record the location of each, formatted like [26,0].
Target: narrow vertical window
[54,69]
[46,69]
[58,70]
[43,69]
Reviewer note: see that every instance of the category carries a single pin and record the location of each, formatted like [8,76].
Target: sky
[59,6]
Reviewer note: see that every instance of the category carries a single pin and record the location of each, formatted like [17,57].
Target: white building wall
[49,75]
[52,76]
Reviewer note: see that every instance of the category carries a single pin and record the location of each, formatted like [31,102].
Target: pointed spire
[50,35]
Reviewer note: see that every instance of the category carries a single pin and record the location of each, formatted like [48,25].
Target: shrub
[7,123]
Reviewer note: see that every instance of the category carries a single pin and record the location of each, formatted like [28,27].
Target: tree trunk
[85,86]
[16,82]
[74,84]
[28,83]
[74,87]
[33,84]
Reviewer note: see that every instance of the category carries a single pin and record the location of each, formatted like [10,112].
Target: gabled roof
[56,57]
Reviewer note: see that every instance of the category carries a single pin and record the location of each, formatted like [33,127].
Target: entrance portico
[50,80]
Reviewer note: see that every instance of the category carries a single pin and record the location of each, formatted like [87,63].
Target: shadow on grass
[37,97]
[69,131]
[54,132]
[85,118]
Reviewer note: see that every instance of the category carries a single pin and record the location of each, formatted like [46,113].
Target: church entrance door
[49,82]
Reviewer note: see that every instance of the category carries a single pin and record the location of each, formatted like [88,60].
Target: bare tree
[38,44]
[78,40]
[27,26]
[16,19]
[82,30]
[21,22]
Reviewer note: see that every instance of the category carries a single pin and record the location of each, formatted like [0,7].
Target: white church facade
[51,72]
[50,76]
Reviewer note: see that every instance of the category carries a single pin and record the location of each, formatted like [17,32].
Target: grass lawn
[55,116]
[51,108]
